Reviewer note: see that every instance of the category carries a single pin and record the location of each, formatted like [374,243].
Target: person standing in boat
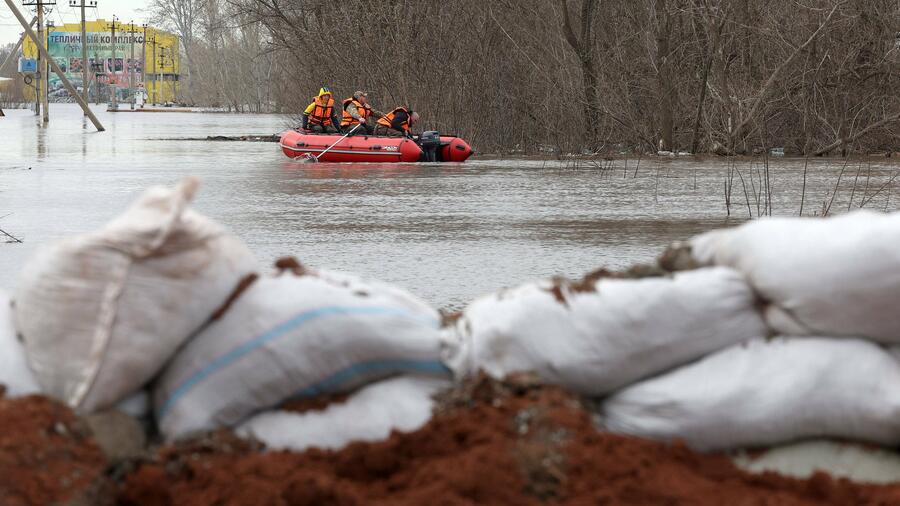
[319,116]
[397,123]
[357,111]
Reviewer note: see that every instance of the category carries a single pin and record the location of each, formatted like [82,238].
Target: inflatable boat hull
[366,148]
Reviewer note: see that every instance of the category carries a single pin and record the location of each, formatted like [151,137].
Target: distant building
[156,61]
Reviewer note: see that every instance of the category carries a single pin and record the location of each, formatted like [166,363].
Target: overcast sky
[125,11]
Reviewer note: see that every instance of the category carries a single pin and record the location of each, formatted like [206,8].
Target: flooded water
[448,232]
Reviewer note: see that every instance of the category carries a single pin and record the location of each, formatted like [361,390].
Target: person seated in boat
[320,116]
[357,112]
[397,123]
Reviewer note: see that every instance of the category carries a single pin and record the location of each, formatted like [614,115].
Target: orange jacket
[388,120]
[364,112]
[320,111]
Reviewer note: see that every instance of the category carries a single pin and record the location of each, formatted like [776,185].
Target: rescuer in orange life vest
[320,116]
[397,123]
[357,111]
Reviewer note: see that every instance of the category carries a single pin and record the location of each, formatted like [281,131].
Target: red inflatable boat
[428,147]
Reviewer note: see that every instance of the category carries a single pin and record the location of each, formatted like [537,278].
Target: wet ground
[449,232]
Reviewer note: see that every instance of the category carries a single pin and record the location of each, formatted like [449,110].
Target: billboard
[144,56]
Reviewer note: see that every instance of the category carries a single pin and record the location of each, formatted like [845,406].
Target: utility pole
[144,58]
[113,100]
[84,59]
[131,32]
[38,96]
[46,70]
[41,71]
[155,67]
[175,64]
[161,66]
[95,67]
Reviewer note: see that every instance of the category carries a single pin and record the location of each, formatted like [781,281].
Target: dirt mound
[513,442]
[47,455]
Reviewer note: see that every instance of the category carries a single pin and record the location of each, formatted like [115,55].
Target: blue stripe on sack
[302,318]
[343,376]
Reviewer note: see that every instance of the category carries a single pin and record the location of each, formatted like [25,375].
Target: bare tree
[584,47]
[727,76]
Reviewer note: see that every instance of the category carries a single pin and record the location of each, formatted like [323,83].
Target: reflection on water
[449,232]
[41,142]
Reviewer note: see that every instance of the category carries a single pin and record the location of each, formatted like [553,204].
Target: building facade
[145,58]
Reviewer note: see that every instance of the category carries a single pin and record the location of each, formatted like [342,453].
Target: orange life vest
[388,119]
[321,113]
[364,112]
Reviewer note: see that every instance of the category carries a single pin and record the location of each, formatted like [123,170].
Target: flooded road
[448,232]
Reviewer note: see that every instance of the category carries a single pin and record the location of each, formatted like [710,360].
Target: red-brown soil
[47,455]
[512,442]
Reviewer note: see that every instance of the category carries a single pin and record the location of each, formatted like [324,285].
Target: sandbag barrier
[773,331]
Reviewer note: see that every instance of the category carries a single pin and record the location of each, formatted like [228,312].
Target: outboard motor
[430,142]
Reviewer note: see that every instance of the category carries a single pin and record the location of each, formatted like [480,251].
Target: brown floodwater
[448,232]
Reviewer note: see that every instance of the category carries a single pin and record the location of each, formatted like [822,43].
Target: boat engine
[430,142]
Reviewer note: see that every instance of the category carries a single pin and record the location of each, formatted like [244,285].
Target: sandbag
[299,333]
[100,313]
[767,392]
[403,404]
[15,374]
[837,276]
[595,338]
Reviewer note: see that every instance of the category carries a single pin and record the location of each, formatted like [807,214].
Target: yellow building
[144,57]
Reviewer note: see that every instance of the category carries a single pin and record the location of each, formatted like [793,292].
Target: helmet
[357,94]
[325,90]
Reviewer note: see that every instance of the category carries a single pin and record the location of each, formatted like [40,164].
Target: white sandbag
[767,392]
[100,313]
[297,334]
[837,276]
[862,463]
[403,404]
[15,374]
[598,339]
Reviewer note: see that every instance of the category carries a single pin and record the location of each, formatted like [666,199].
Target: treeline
[227,60]
[724,76]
